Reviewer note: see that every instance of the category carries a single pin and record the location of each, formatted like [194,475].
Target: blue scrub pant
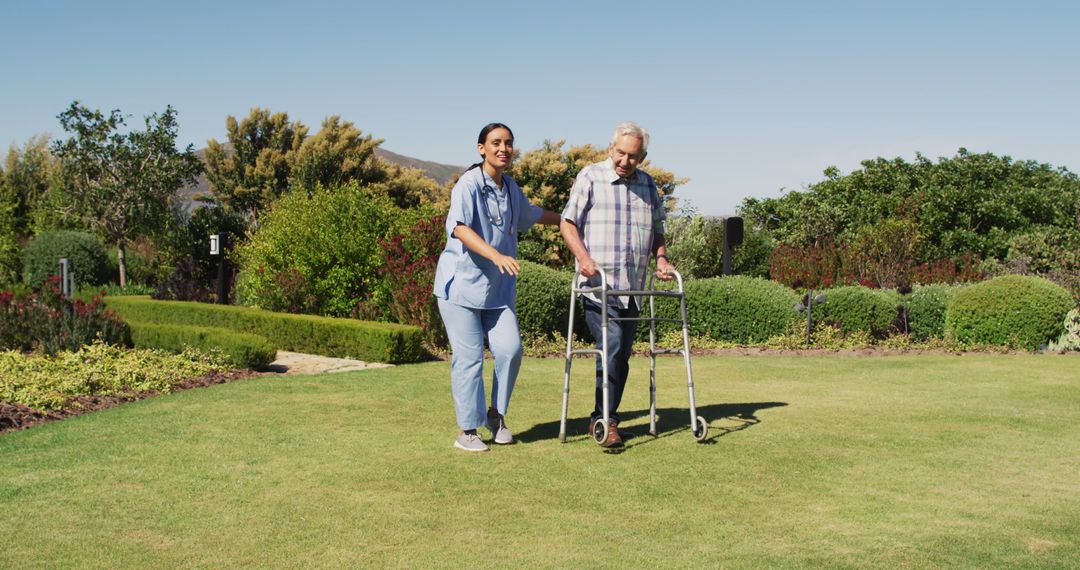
[620,337]
[466,329]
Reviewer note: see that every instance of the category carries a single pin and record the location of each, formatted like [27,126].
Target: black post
[809,314]
[222,286]
[733,236]
[65,278]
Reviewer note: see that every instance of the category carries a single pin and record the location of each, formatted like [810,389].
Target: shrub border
[327,336]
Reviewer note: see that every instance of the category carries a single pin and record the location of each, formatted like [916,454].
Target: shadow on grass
[671,421]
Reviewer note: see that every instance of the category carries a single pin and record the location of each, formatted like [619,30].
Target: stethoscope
[487,190]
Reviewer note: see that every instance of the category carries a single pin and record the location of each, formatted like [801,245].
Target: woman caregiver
[475,284]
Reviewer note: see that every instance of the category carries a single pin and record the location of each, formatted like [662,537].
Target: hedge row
[1012,310]
[926,307]
[342,338]
[715,307]
[856,308]
[243,350]
[543,301]
[738,309]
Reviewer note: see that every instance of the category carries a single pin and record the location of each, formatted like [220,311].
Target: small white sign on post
[215,244]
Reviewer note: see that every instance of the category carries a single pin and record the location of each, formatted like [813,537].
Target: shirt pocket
[641,217]
[641,230]
[470,286]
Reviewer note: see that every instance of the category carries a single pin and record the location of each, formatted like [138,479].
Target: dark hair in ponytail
[484,132]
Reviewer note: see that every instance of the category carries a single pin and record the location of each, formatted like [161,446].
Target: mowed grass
[814,461]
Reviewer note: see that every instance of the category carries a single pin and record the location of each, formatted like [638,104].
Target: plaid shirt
[617,219]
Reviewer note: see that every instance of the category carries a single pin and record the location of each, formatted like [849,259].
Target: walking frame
[699,428]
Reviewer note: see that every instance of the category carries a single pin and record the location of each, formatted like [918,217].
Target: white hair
[633,129]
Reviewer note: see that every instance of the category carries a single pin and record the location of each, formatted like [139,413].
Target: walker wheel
[701,429]
[599,431]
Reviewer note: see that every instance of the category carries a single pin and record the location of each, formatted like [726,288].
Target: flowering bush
[48,322]
[409,271]
[964,269]
[814,266]
[868,260]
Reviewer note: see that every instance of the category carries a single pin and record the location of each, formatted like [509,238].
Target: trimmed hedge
[926,306]
[1011,310]
[736,309]
[543,299]
[342,338]
[856,308]
[243,350]
[88,257]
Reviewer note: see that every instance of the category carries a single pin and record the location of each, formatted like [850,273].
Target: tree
[119,185]
[411,187]
[31,171]
[335,155]
[966,204]
[546,176]
[9,245]
[255,166]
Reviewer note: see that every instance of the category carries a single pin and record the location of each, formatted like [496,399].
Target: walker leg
[566,374]
[698,426]
[652,394]
[652,365]
[604,363]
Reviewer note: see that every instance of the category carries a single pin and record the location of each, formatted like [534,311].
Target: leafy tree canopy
[267,156]
[30,172]
[121,185]
[969,203]
[255,168]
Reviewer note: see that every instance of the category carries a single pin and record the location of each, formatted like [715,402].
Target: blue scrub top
[466,278]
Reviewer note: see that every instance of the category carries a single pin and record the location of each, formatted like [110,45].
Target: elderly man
[614,220]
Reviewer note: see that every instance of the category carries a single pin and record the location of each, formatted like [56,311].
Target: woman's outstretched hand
[506,264]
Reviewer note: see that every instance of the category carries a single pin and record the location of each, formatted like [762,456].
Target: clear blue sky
[744,98]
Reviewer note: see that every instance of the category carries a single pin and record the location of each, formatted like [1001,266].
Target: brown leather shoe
[614,437]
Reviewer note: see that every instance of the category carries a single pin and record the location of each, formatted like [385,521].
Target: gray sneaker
[470,442]
[499,431]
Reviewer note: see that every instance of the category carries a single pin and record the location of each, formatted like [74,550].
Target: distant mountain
[441,173]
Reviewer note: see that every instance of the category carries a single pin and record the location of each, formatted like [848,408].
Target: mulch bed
[15,416]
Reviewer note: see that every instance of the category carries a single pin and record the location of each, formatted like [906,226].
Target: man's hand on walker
[588,267]
[664,270]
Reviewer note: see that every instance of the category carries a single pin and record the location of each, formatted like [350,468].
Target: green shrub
[856,308]
[87,256]
[98,369]
[696,245]
[186,270]
[330,239]
[242,350]
[925,310]
[1011,310]
[10,263]
[344,338]
[543,300]
[751,258]
[736,309]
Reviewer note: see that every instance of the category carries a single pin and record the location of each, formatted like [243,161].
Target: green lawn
[824,461]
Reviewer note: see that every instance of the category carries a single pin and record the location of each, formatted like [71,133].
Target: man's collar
[614,177]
